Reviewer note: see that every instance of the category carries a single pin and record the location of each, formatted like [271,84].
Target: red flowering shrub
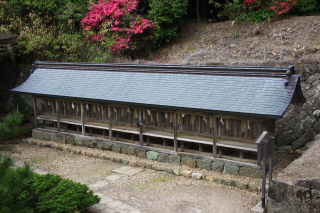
[280,7]
[108,23]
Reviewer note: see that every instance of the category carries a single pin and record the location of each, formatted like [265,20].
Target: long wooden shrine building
[212,112]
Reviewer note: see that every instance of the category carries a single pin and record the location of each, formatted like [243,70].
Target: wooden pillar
[82,119]
[199,124]
[241,154]
[78,128]
[175,141]
[182,145]
[35,112]
[90,130]
[148,140]
[214,136]
[44,124]
[104,132]
[164,142]
[58,115]
[220,151]
[117,136]
[200,147]
[141,128]
[110,125]
[132,137]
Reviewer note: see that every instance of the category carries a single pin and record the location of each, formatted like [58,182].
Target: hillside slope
[292,40]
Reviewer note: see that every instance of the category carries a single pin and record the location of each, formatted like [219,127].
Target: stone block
[37,134]
[274,207]
[203,164]
[79,141]
[196,176]
[46,136]
[253,188]
[168,170]
[116,148]
[151,155]
[286,137]
[29,140]
[93,143]
[86,142]
[301,193]
[158,168]
[191,162]
[108,158]
[101,156]
[217,180]
[250,172]
[78,152]
[125,161]
[185,173]
[132,163]
[176,171]
[231,169]
[117,160]
[141,153]
[210,178]
[106,146]
[241,185]
[89,154]
[148,166]
[131,151]
[313,183]
[69,139]
[162,157]
[217,166]
[228,182]
[95,155]
[300,141]
[315,193]
[141,164]
[124,149]
[286,148]
[174,159]
[60,138]
[279,191]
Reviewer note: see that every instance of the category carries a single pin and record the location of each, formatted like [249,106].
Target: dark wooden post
[82,119]
[58,115]
[214,136]
[104,132]
[110,124]
[175,141]
[264,144]
[271,156]
[164,142]
[141,128]
[35,112]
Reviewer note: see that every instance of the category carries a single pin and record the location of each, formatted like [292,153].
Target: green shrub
[305,7]
[167,14]
[10,126]
[21,190]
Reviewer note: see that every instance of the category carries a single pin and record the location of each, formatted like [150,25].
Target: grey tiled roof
[255,96]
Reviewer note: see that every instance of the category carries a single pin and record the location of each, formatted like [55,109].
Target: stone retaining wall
[142,153]
[300,124]
[301,197]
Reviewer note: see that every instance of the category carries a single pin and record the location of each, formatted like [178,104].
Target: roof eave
[267,116]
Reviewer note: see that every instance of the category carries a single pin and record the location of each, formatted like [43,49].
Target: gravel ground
[150,190]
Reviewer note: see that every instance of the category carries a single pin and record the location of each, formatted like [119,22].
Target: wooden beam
[214,137]
[82,119]
[58,115]
[175,131]
[35,112]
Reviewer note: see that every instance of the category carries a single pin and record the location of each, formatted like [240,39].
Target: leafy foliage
[20,102]
[23,191]
[10,125]
[306,7]
[167,14]
[108,23]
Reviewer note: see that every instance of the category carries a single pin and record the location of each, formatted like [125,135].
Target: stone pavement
[107,204]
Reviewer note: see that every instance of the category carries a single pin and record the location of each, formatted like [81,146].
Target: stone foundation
[142,153]
[302,196]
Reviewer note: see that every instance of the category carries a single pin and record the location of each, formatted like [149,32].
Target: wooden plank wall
[125,115]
